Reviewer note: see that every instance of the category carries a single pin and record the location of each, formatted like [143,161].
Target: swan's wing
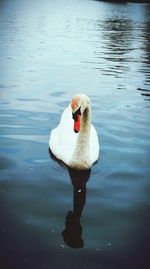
[62,139]
[94,145]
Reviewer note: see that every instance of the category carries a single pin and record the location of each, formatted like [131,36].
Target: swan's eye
[75,114]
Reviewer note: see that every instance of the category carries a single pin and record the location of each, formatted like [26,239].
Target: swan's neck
[81,153]
[83,138]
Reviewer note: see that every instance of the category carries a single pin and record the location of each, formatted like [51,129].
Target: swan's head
[78,104]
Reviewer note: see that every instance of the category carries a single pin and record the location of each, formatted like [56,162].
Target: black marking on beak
[75,114]
[76,131]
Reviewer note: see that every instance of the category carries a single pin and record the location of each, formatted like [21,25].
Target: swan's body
[77,150]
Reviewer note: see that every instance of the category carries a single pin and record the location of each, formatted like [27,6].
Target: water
[52,217]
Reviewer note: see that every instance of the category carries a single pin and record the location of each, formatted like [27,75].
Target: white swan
[78,146]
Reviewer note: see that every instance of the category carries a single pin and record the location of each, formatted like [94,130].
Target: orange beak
[77,124]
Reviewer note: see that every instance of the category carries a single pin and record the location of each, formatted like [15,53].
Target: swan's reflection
[72,233]
[73,229]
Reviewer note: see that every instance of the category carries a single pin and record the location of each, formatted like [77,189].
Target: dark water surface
[51,217]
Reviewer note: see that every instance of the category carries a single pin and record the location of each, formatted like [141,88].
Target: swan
[75,141]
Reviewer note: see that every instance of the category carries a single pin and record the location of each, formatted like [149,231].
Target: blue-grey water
[54,218]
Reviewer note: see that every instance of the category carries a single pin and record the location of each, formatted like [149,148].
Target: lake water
[52,217]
